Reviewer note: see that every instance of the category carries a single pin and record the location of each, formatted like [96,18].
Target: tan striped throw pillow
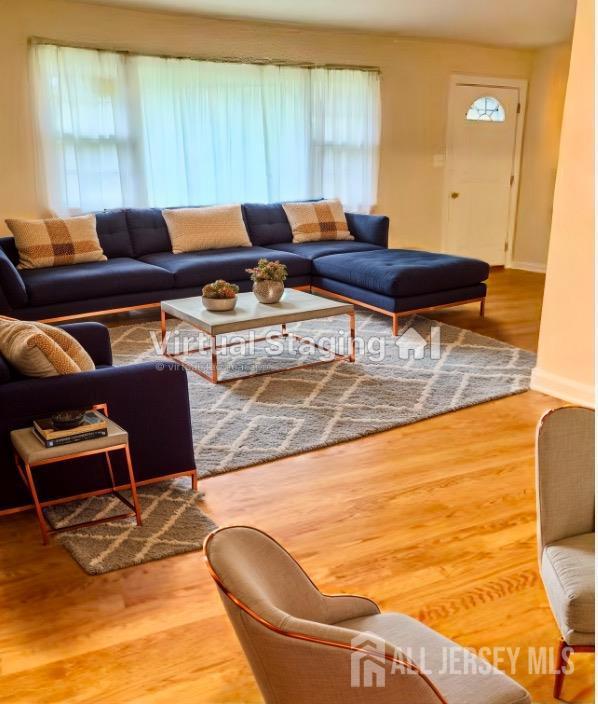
[56,242]
[39,350]
[213,227]
[322,220]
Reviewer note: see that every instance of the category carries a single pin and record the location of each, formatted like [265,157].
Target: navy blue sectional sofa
[159,433]
[142,270]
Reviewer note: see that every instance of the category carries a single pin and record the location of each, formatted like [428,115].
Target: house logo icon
[368,663]
[413,345]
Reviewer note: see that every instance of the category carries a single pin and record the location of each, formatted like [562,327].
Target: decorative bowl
[65,420]
[219,304]
[268,291]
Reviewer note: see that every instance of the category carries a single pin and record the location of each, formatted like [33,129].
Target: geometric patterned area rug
[172,524]
[429,369]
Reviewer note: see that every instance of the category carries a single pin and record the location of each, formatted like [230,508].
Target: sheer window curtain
[119,130]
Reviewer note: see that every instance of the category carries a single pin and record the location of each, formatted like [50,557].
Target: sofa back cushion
[113,233]
[148,231]
[9,246]
[267,224]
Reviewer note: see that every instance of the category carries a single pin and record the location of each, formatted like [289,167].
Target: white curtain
[119,130]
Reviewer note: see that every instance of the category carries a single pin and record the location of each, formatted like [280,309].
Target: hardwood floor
[435,519]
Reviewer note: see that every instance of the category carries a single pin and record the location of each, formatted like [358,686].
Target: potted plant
[219,295]
[268,280]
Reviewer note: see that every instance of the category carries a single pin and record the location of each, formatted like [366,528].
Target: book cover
[81,437]
[92,420]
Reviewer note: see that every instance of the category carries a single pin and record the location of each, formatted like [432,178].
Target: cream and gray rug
[430,369]
[172,524]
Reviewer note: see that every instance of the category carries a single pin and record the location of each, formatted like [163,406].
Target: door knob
[454,194]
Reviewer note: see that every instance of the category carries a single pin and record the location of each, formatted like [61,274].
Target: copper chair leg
[395,325]
[482,307]
[562,659]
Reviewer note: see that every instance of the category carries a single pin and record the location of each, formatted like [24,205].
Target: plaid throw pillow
[56,242]
[322,220]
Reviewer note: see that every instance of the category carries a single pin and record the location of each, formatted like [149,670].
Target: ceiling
[521,23]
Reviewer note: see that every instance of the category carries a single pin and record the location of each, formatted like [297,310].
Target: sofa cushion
[56,241]
[267,223]
[214,227]
[199,268]
[148,231]
[568,573]
[312,222]
[113,233]
[312,250]
[468,679]
[402,272]
[92,280]
[39,350]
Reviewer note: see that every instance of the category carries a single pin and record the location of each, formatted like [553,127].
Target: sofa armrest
[150,400]
[369,228]
[95,338]
[11,283]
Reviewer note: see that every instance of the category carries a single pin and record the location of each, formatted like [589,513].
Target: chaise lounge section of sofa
[141,269]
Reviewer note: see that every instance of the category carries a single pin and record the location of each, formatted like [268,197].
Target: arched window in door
[486,109]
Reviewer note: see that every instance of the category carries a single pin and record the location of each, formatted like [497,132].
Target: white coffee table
[249,313]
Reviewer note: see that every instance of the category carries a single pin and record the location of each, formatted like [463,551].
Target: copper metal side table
[30,454]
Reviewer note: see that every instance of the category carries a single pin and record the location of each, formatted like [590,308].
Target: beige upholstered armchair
[565,499]
[308,648]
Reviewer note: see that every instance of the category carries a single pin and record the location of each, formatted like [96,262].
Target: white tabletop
[293,307]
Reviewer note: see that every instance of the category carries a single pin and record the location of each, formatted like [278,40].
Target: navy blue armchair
[149,400]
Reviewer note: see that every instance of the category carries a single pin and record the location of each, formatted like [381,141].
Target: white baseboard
[529,266]
[563,388]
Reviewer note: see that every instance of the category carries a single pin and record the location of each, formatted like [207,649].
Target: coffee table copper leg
[284,329]
[214,357]
[163,330]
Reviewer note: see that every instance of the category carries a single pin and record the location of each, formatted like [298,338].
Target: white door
[480,169]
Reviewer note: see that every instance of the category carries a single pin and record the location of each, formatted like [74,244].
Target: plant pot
[268,291]
[219,304]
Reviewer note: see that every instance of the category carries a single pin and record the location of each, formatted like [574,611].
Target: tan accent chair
[308,648]
[565,507]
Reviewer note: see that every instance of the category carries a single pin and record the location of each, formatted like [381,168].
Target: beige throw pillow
[39,350]
[56,242]
[214,227]
[322,220]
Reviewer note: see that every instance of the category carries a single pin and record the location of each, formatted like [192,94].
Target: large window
[123,130]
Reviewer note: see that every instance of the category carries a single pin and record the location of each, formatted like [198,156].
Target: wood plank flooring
[435,519]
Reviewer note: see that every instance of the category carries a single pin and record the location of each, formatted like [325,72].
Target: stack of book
[94,425]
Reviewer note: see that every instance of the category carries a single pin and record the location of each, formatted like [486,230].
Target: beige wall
[566,350]
[415,77]
[547,84]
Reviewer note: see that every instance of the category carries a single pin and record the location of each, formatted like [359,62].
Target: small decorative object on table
[66,420]
[59,430]
[219,295]
[268,280]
